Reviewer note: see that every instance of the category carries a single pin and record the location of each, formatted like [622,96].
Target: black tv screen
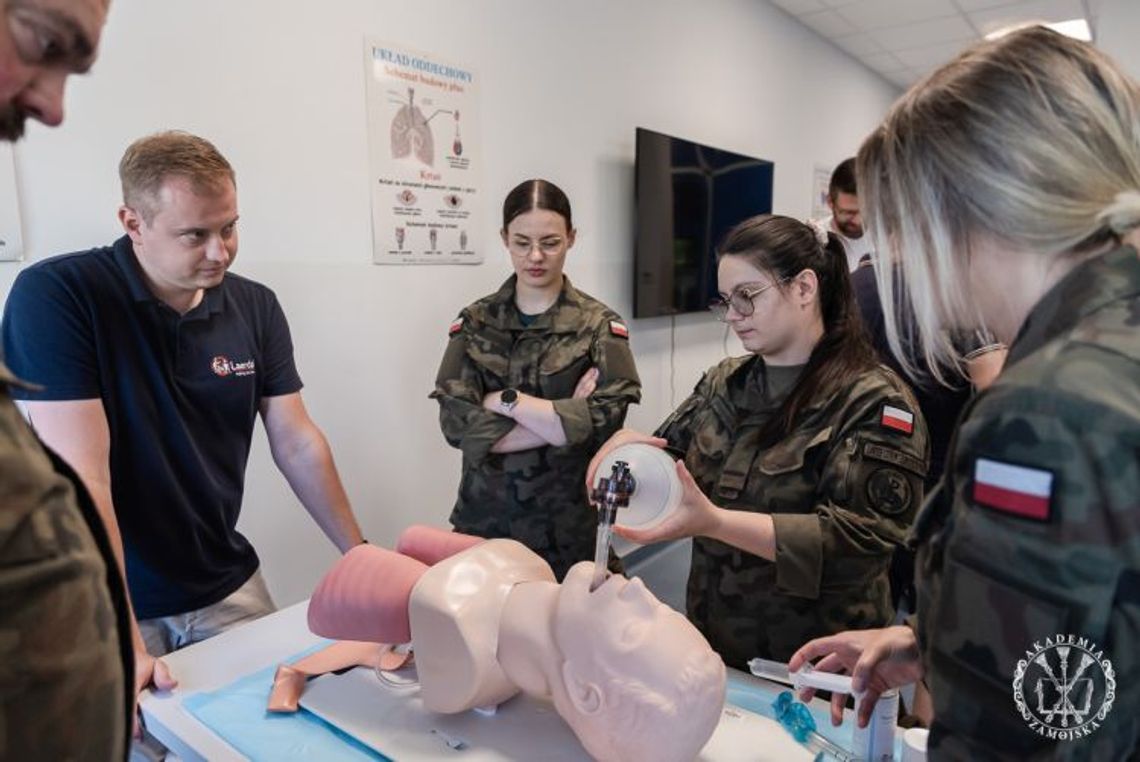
[688,196]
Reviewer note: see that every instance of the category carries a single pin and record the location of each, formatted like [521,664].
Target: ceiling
[904,39]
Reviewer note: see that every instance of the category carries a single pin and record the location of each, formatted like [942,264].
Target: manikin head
[639,680]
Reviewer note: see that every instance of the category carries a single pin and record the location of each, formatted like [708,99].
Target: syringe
[805,677]
[612,492]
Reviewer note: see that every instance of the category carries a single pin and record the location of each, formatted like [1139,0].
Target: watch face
[509,396]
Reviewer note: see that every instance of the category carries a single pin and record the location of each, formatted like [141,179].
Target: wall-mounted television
[688,196]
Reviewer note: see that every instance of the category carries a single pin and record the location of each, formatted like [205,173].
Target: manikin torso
[455,611]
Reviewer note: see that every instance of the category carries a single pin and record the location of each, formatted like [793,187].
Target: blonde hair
[148,161]
[1032,140]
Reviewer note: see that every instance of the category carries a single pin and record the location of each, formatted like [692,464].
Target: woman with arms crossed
[534,378]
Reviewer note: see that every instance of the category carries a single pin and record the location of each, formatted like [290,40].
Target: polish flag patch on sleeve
[619,329]
[897,418]
[1016,490]
[455,326]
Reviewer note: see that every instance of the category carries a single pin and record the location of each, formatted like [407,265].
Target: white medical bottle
[876,742]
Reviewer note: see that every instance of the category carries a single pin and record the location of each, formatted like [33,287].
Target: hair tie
[1123,214]
[820,232]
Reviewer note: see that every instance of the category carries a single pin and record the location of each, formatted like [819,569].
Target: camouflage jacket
[1034,533]
[534,496]
[66,662]
[841,488]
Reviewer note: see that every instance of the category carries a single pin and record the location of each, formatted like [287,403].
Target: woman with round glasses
[534,378]
[802,462]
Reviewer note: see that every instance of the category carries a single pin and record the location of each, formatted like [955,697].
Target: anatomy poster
[423,143]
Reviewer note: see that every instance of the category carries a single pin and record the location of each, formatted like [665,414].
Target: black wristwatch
[508,399]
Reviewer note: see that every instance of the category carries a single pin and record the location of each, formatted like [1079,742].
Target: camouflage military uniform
[1004,564]
[534,496]
[842,489]
[66,664]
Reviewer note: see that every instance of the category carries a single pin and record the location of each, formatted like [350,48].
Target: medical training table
[208,669]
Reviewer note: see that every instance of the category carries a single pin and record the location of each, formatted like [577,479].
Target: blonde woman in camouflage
[802,462]
[1007,185]
[534,378]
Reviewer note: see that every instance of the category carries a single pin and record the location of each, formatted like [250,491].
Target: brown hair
[148,161]
[785,247]
[843,180]
[536,194]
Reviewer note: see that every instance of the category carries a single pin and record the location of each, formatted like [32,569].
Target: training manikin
[630,676]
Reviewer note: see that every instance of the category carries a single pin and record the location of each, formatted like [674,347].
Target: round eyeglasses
[740,299]
[522,247]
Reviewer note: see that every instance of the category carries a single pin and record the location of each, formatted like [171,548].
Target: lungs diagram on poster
[423,157]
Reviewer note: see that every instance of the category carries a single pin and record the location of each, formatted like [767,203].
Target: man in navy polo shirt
[154,363]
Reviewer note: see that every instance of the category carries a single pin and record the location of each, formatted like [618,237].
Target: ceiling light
[1075,28]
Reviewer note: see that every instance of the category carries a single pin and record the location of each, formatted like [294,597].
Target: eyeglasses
[522,247]
[741,300]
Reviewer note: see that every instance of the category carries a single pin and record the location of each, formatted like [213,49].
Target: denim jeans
[169,633]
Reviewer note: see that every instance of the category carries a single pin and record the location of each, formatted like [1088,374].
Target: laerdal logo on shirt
[223,366]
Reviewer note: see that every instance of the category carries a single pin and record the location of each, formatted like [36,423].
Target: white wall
[1116,28]
[278,86]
